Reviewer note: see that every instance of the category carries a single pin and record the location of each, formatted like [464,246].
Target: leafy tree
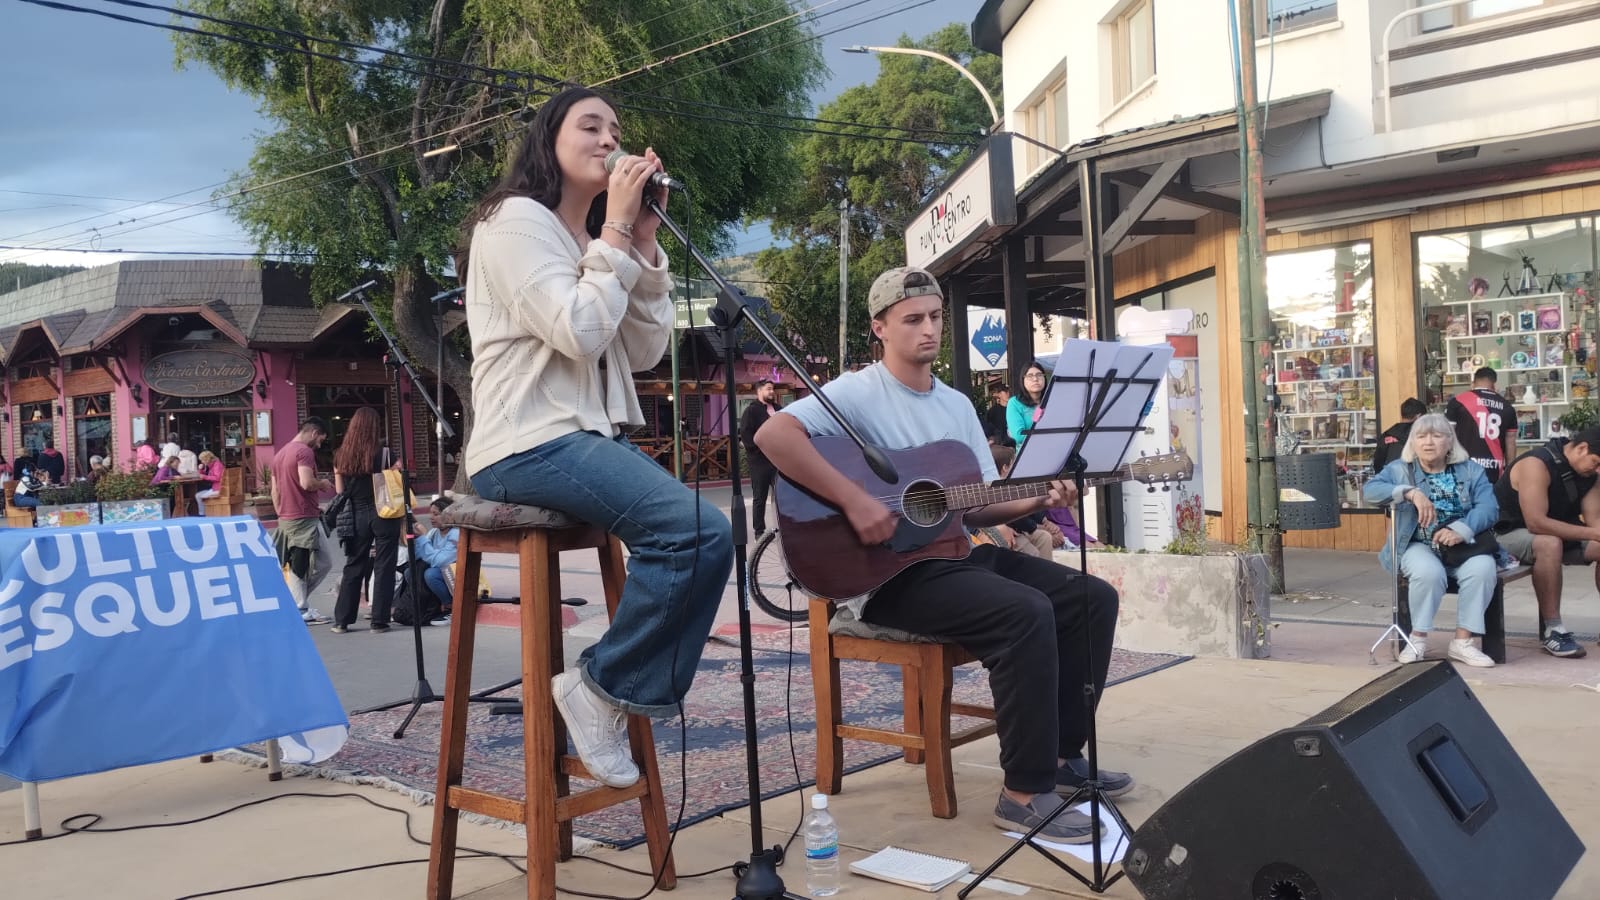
[16,276]
[379,201]
[887,182]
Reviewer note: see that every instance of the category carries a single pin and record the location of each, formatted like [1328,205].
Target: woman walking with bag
[1443,503]
[370,542]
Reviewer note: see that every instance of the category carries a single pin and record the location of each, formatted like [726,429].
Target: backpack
[404,610]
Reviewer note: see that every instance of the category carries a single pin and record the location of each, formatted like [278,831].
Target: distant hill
[15,276]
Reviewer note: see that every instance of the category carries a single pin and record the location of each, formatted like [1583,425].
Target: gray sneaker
[1070,827]
[1075,774]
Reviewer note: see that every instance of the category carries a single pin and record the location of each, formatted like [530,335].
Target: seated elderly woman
[1442,500]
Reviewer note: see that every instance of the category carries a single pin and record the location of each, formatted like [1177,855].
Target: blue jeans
[1476,577]
[681,550]
[433,577]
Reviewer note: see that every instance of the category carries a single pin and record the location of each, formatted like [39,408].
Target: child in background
[167,472]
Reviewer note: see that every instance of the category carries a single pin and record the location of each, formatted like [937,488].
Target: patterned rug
[714,766]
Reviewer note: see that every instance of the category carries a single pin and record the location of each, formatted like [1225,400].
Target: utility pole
[1260,452]
[844,280]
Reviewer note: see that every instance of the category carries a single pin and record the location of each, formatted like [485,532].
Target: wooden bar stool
[537,536]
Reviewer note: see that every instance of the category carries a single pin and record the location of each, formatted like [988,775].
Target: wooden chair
[17,517]
[230,498]
[537,536]
[926,666]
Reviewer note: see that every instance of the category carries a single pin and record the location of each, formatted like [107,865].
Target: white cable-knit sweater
[543,314]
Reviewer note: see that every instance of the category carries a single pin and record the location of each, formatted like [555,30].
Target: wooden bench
[230,497]
[926,665]
[16,516]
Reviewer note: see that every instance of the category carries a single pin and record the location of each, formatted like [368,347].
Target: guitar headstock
[1161,470]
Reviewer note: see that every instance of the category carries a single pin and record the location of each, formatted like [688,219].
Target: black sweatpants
[374,537]
[1024,618]
[761,474]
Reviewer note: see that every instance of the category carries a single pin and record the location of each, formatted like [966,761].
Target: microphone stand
[759,878]
[423,691]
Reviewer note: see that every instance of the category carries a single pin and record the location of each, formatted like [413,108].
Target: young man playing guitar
[1022,616]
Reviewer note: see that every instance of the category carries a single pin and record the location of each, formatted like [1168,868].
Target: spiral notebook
[911,869]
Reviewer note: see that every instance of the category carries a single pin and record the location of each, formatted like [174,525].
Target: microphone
[657,179]
[358,289]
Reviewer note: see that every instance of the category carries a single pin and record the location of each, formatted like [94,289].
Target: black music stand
[1095,403]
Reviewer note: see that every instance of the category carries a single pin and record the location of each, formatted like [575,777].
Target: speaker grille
[1381,698]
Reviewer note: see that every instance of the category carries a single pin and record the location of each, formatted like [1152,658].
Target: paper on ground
[1112,841]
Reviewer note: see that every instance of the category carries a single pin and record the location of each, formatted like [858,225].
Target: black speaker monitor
[1405,789]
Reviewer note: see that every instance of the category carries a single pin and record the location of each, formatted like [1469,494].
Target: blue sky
[106,115]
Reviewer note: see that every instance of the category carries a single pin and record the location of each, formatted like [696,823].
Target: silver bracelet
[622,228]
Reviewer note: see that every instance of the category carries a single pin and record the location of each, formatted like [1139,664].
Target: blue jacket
[437,548]
[1472,488]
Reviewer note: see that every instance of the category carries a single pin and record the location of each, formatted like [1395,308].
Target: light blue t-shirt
[895,417]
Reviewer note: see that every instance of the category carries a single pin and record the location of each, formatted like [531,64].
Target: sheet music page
[1138,370]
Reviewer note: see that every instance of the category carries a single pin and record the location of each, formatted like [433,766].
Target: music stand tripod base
[1091,411]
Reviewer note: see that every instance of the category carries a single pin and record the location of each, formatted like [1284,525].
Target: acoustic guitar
[938,482]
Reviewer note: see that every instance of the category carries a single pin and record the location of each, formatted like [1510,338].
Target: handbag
[1484,543]
[388,489]
[330,516]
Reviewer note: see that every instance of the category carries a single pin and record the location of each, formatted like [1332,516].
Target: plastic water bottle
[822,849]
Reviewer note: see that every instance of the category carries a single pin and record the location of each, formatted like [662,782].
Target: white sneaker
[1463,650]
[599,730]
[312,617]
[1413,651]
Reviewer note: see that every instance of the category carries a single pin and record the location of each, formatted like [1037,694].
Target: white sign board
[976,204]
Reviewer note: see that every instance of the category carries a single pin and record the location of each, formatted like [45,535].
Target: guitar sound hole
[923,503]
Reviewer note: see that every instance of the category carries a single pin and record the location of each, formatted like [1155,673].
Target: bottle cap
[819,801]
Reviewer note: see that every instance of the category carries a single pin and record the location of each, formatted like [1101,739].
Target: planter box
[1216,606]
[117,512]
[69,514]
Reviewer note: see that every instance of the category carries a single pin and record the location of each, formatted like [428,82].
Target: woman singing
[567,294]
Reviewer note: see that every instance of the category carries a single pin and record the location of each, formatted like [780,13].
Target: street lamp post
[994,114]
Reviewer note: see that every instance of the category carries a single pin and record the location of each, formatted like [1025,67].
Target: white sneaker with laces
[1413,651]
[599,730]
[1463,650]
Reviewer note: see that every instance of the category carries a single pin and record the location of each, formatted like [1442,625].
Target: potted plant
[1580,415]
[128,496]
[73,503]
[259,504]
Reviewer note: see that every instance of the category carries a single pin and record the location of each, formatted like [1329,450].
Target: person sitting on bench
[1550,517]
[1442,499]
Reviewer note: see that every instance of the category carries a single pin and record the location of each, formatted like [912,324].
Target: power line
[298,253]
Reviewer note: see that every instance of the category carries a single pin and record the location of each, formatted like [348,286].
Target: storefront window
[38,425]
[1519,299]
[336,404]
[1325,364]
[91,427]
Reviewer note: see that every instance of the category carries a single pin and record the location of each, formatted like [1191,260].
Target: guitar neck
[972,496]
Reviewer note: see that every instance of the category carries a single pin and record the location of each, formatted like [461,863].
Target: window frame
[1265,18]
[1042,104]
[1124,82]
[1460,15]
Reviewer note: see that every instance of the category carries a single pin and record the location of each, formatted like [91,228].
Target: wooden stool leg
[558,726]
[453,727]
[641,739]
[825,688]
[934,675]
[539,563]
[1494,624]
[911,710]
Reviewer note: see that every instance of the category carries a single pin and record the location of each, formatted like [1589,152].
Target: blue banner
[122,645]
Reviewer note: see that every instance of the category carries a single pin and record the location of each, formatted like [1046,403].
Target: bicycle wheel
[771,586]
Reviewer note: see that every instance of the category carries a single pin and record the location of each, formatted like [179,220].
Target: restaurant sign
[240,400]
[199,373]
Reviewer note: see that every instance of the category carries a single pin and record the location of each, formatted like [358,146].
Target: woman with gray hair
[1441,500]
